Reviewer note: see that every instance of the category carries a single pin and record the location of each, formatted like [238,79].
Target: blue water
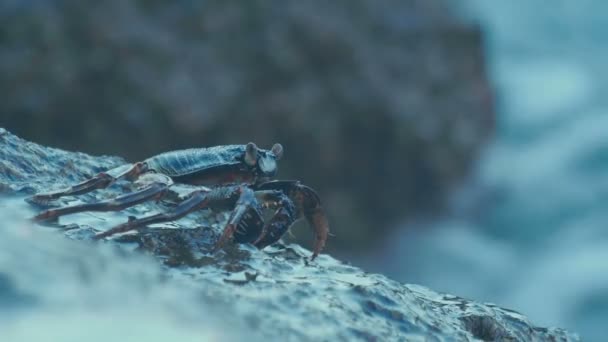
[530,230]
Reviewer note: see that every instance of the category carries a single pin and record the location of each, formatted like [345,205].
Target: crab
[229,177]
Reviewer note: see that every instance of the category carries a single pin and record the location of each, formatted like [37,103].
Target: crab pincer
[306,203]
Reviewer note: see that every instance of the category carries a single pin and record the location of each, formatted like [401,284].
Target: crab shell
[218,165]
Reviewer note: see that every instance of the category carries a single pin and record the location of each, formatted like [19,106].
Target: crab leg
[156,190]
[197,200]
[100,181]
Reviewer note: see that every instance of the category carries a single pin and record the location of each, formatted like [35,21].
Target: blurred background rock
[382,106]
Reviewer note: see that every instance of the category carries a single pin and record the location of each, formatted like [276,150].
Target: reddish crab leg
[100,181]
[155,190]
[197,200]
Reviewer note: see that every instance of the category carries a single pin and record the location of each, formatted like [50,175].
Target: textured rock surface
[390,91]
[239,292]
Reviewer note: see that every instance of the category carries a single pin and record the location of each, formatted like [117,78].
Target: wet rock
[381,105]
[276,294]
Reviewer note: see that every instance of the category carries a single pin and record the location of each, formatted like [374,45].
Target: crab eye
[251,154]
[277,150]
[268,166]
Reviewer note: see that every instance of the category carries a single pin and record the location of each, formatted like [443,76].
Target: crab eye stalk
[251,154]
[277,150]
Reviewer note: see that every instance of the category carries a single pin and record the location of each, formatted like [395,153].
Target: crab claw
[318,220]
[315,215]
[241,216]
[308,204]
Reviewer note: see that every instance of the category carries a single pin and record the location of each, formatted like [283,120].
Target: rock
[382,106]
[237,293]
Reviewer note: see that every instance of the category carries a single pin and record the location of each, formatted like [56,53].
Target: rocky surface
[111,291]
[382,106]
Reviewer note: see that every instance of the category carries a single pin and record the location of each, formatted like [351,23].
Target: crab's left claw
[307,203]
[315,215]
[318,221]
